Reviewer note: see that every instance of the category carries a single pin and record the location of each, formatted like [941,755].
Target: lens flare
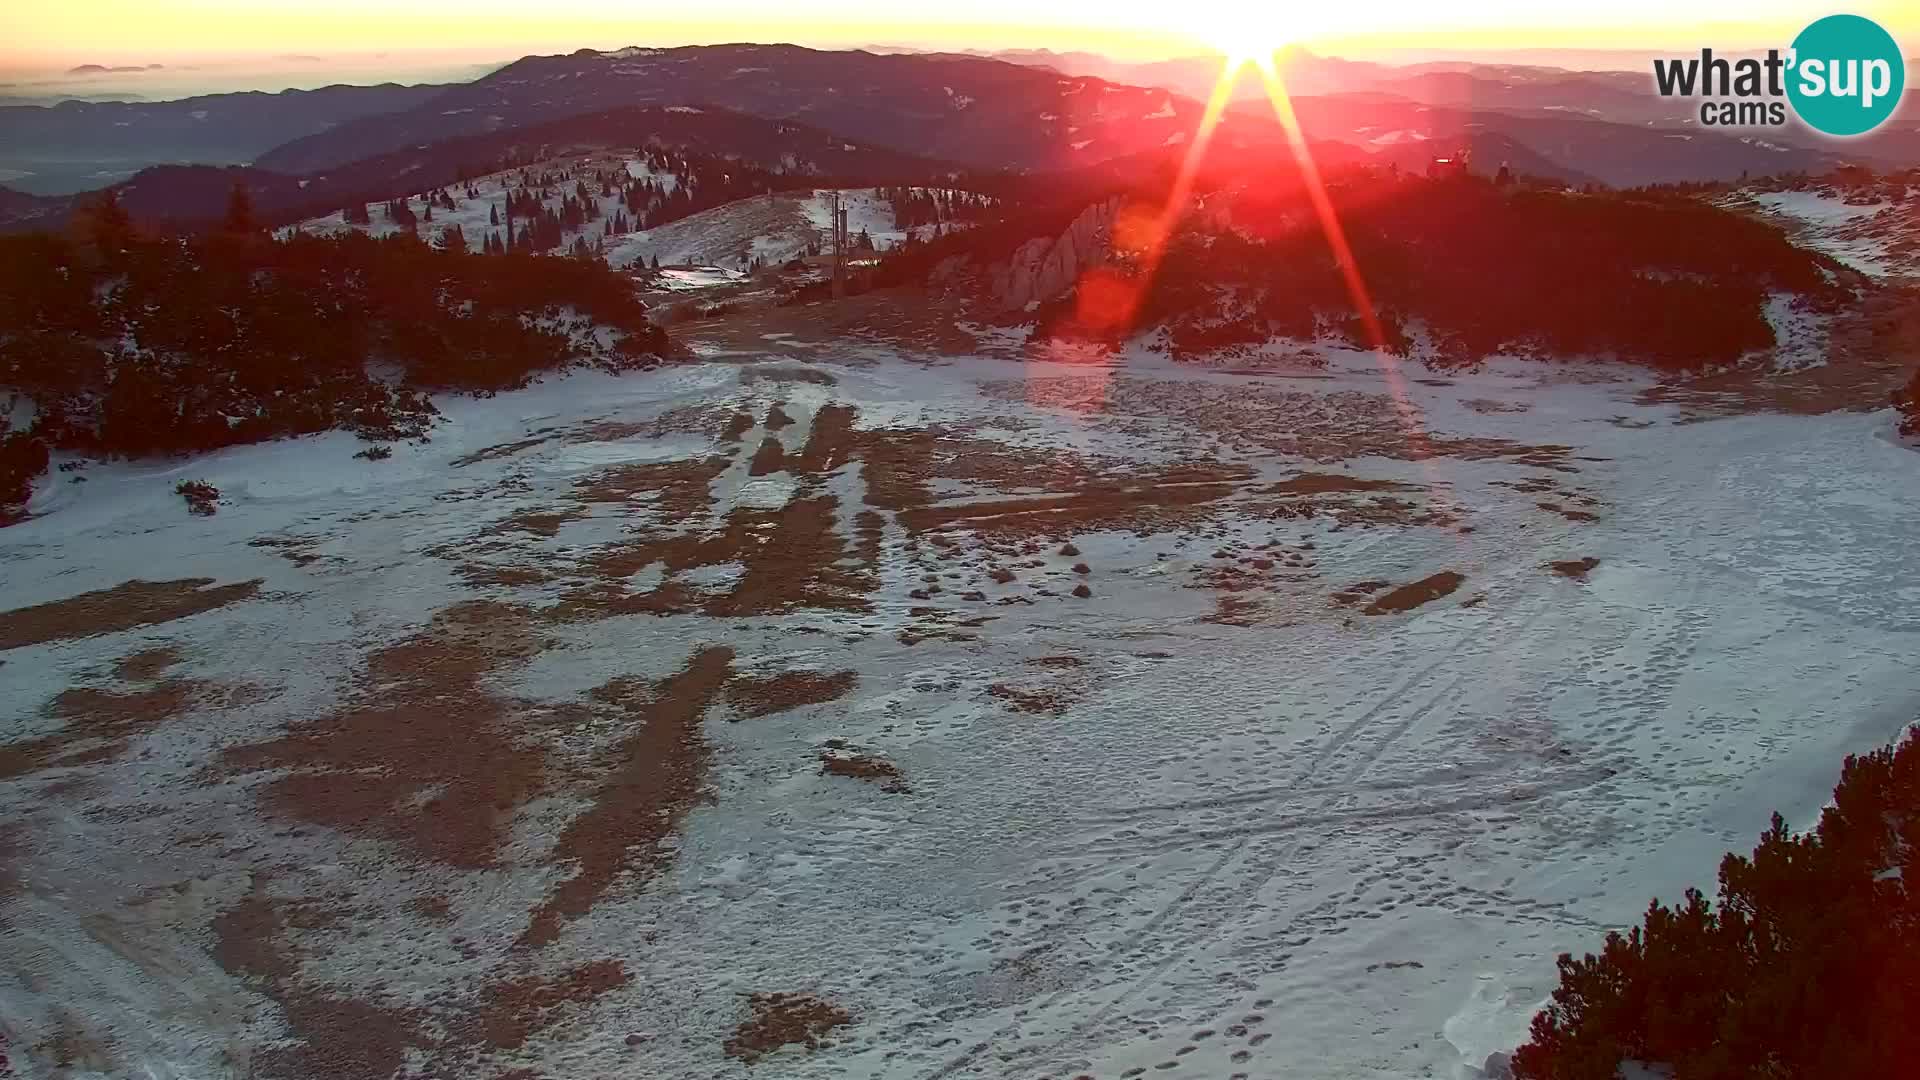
[1336,236]
[1110,301]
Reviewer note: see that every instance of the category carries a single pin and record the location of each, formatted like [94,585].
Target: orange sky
[53,32]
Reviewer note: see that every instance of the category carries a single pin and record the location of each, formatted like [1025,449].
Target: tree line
[1805,965]
[594,205]
[1648,277]
[136,343]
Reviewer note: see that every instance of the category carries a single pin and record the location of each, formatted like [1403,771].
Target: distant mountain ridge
[974,111]
[1622,97]
[63,147]
[104,69]
[1023,113]
[191,194]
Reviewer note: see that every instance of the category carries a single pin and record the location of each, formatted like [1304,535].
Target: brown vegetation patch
[752,696]
[795,566]
[777,418]
[340,1038]
[1050,700]
[1412,595]
[1236,609]
[297,550]
[540,522]
[1313,483]
[499,450]
[792,559]
[838,759]
[334,1037]
[97,725]
[719,422]
[680,488]
[147,664]
[781,1020]
[897,466]
[423,754]
[770,458]
[651,785]
[480,575]
[788,375]
[1317,427]
[960,456]
[1575,568]
[202,498]
[13,850]
[123,607]
[513,1010]
[1233,577]
[1366,510]
[1569,512]
[831,441]
[1495,405]
[1868,355]
[1167,499]
[1532,485]
[357,1039]
[932,624]
[1057,661]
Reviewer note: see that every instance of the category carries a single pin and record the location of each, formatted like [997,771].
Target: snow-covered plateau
[565,740]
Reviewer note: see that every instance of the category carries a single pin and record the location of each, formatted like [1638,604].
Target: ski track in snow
[1324,844]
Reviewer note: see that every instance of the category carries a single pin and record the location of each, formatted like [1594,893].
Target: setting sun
[1243,32]
[1096,538]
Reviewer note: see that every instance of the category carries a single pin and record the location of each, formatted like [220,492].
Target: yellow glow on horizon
[1244,32]
[126,30]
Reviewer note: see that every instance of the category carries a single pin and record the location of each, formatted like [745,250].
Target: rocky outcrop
[1043,268]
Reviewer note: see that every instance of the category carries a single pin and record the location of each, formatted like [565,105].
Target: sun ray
[1119,305]
[1336,236]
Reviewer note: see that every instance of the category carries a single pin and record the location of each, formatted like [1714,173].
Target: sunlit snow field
[1247,808]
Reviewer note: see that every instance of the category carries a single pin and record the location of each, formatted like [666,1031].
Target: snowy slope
[474,216]
[772,228]
[1246,809]
[1880,239]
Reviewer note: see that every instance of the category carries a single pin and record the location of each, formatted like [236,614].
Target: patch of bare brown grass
[98,724]
[123,607]
[1414,594]
[513,1010]
[423,754]
[751,696]
[1575,568]
[779,1020]
[654,780]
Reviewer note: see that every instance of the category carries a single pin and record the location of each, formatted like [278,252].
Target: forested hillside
[1808,965]
[1468,268]
[158,344]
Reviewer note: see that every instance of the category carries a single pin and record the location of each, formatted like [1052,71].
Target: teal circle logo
[1846,75]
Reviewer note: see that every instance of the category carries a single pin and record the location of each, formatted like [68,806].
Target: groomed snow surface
[1217,818]
[1878,239]
[771,228]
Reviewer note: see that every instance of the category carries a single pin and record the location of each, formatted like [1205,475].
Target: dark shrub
[1808,964]
[22,459]
[202,498]
[177,345]
[1907,401]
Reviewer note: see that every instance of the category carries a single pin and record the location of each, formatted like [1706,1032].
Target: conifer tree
[239,218]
